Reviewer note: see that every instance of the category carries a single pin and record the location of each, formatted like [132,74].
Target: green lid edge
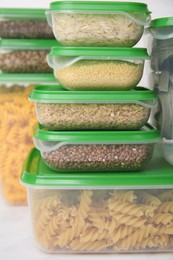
[99,6]
[161,22]
[100,51]
[57,93]
[84,180]
[23,13]
[28,78]
[27,43]
[140,136]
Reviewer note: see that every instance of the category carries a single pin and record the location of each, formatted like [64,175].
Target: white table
[16,241]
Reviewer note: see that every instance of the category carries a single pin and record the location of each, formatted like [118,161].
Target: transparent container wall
[89,29]
[24,61]
[168,150]
[162,55]
[96,157]
[85,116]
[102,220]
[17,119]
[101,74]
[25,29]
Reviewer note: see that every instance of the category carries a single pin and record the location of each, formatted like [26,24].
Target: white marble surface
[16,241]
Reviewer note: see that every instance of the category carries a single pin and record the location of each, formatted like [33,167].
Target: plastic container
[161,30]
[94,68]
[17,23]
[75,213]
[22,79]
[168,150]
[25,56]
[17,119]
[84,23]
[96,150]
[75,110]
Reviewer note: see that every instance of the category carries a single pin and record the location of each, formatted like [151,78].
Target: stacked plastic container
[25,41]
[85,188]
[161,30]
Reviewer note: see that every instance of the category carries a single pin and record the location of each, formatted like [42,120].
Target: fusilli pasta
[17,118]
[85,221]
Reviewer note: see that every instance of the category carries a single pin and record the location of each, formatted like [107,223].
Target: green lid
[146,134]
[26,13]
[139,53]
[36,174]
[56,94]
[27,44]
[99,6]
[161,22]
[27,78]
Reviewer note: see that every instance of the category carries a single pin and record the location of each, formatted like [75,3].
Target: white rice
[73,29]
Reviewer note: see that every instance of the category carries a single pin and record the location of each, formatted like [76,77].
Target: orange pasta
[17,118]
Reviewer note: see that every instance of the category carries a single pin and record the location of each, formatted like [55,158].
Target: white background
[16,240]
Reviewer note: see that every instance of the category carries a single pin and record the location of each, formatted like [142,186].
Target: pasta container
[17,119]
[80,151]
[129,213]
[84,23]
[59,109]
[22,23]
[25,56]
[94,68]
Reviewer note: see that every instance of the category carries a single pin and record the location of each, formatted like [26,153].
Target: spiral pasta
[84,220]
[17,118]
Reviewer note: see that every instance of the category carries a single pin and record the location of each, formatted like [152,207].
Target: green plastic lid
[99,6]
[100,51]
[161,22]
[35,174]
[26,13]
[27,78]
[146,134]
[56,94]
[27,44]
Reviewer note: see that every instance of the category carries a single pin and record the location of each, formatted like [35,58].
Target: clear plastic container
[161,30]
[58,109]
[24,23]
[119,213]
[25,56]
[17,119]
[77,151]
[84,23]
[94,68]
[168,150]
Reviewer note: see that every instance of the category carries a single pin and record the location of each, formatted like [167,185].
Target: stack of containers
[89,134]
[161,30]
[25,41]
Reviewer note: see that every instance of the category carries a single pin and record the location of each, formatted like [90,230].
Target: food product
[59,109]
[102,220]
[25,56]
[17,118]
[97,68]
[25,29]
[96,30]
[84,151]
[105,23]
[95,116]
[24,23]
[24,61]
[100,75]
[84,213]
[99,157]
